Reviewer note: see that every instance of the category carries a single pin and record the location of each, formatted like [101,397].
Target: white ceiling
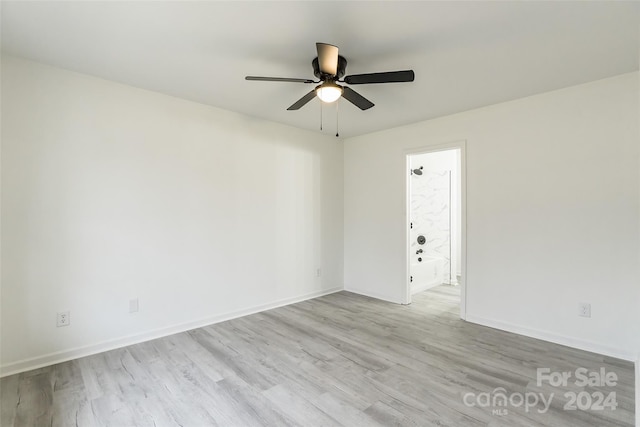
[465,54]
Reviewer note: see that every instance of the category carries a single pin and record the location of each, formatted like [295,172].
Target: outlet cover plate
[63,319]
[584,309]
[133,305]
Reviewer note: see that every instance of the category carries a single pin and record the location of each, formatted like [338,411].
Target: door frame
[464,282]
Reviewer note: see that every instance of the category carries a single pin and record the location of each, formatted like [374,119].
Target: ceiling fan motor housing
[342,67]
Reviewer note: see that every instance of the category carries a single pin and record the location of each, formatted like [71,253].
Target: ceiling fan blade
[387,77]
[278,79]
[356,99]
[302,101]
[327,58]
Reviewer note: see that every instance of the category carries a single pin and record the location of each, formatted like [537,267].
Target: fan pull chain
[337,103]
[320,115]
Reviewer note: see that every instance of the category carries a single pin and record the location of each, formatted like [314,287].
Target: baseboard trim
[638,389]
[554,338]
[373,295]
[88,350]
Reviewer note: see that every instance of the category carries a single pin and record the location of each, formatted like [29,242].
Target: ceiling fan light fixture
[329,92]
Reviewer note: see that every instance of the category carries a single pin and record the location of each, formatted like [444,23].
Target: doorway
[436,220]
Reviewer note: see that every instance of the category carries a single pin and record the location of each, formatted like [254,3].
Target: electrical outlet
[318,272]
[63,319]
[584,309]
[133,305]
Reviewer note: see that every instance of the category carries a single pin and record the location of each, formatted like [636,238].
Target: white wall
[552,212]
[111,193]
[637,389]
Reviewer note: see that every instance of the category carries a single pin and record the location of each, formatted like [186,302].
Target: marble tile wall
[431,217]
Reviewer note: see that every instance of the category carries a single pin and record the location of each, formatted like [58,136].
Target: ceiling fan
[329,68]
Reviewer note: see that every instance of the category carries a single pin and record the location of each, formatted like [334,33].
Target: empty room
[255,213]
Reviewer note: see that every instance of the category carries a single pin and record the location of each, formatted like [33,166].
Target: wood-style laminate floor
[338,360]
